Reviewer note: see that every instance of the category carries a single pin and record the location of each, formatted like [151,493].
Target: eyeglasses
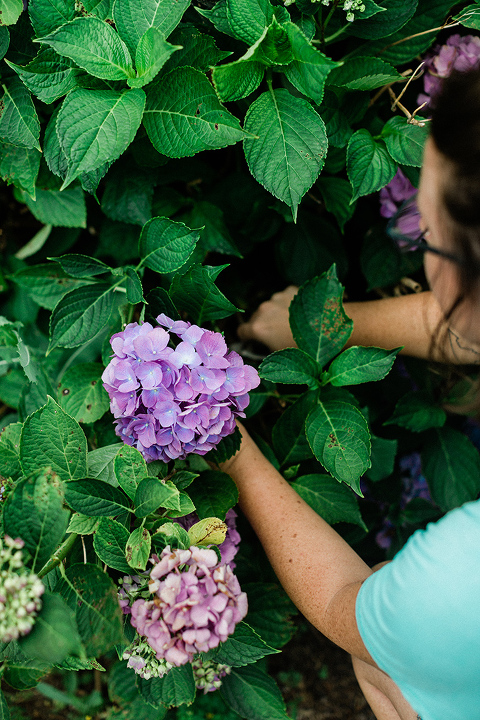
[404,229]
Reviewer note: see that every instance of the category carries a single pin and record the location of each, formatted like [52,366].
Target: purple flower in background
[197,604]
[394,194]
[458,53]
[229,547]
[169,399]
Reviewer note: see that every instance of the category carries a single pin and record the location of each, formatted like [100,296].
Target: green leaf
[130,468]
[237,80]
[138,547]
[54,635]
[93,596]
[176,688]
[339,437]
[80,315]
[309,68]
[46,284]
[166,245]
[82,524]
[247,19]
[134,17]
[213,494]
[369,166]
[152,494]
[22,672]
[48,75]
[289,145]
[19,124]
[133,287]
[253,694]
[214,234]
[101,463]
[35,513]
[184,116]
[96,126]
[417,412]
[383,263]
[330,499]
[363,73]
[93,45]
[196,293]
[4,711]
[337,196]
[451,464]
[11,10]
[128,193]
[109,543]
[81,266]
[397,14]
[46,15]
[382,457]
[96,498]
[288,435]
[317,318]
[218,17]
[405,141]
[290,366]
[19,166]
[59,208]
[361,364]
[81,393]
[226,448]
[152,53]
[10,451]
[244,647]
[50,437]
[4,40]
[269,612]
[198,50]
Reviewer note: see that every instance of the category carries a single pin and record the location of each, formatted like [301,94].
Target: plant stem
[57,558]
[334,35]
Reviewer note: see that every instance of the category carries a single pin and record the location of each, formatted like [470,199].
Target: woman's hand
[269,324]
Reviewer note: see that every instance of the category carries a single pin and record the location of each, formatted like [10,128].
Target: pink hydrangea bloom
[197,603]
[458,53]
[169,399]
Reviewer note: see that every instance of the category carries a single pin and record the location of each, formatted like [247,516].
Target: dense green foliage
[118,210]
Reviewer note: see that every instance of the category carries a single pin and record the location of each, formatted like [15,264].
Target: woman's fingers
[269,324]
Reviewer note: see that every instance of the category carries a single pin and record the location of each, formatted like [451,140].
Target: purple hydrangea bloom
[394,194]
[229,547]
[460,53]
[169,399]
[197,604]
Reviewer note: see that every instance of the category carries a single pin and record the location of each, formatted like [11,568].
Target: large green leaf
[35,513]
[81,393]
[451,464]
[247,19]
[80,315]
[134,17]
[4,711]
[4,40]
[10,451]
[213,494]
[109,542]
[165,245]
[253,694]
[237,80]
[93,597]
[291,366]
[198,50]
[54,635]
[48,76]
[152,53]
[60,209]
[405,141]
[100,463]
[11,10]
[244,647]
[337,194]
[361,364]
[128,193]
[96,126]
[46,15]
[130,468]
[196,293]
[288,436]
[152,494]
[363,73]
[81,266]
[369,166]
[382,457]
[329,498]
[46,283]
[19,124]
[339,437]
[184,116]
[288,147]
[269,612]
[317,318]
[138,547]
[96,498]
[176,688]
[22,672]
[52,438]
[397,14]
[93,45]
[309,68]
[19,165]
[417,412]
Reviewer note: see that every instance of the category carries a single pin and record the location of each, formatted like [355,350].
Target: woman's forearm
[318,569]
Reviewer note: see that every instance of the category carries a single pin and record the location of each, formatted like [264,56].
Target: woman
[413,626]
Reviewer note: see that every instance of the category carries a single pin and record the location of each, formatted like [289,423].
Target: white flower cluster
[143,659]
[20,592]
[208,674]
[349,6]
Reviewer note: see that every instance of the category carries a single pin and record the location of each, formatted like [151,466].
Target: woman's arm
[318,569]
[408,320]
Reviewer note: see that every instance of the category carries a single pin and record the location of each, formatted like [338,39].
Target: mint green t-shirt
[419,617]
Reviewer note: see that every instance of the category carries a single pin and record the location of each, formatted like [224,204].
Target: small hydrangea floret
[459,52]
[208,674]
[197,603]
[143,660]
[170,399]
[20,592]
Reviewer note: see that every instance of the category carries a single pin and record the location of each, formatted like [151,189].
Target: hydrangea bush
[166,165]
